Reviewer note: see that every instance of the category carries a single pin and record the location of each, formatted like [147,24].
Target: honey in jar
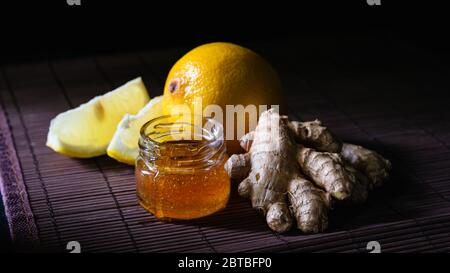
[179,171]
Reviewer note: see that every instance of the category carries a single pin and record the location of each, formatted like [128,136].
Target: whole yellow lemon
[223,74]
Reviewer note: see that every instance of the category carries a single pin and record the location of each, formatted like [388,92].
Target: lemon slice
[124,145]
[86,131]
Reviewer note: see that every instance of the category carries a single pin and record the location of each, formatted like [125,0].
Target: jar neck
[168,144]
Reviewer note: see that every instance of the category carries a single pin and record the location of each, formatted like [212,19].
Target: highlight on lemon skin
[223,74]
[87,130]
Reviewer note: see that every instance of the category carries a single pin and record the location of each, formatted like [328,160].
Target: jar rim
[217,134]
[185,154]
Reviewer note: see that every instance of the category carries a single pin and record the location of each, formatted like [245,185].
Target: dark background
[34,30]
[41,30]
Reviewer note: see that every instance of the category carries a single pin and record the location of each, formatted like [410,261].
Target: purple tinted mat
[388,99]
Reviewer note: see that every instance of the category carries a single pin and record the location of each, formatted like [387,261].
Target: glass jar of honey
[180,168]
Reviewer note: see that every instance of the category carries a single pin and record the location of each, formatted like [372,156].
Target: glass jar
[180,168]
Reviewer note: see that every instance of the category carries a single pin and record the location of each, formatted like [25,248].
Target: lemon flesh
[87,130]
[124,145]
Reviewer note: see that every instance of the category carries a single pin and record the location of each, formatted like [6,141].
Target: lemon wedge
[87,130]
[124,145]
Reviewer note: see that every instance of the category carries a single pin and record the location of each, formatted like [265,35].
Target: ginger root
[309,204]
[369,162]
[326,170]
[313,134]
[292,170]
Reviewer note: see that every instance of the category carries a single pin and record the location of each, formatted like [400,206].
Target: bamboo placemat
[375,92]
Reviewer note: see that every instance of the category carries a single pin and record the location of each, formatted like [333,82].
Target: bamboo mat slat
[387,101]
